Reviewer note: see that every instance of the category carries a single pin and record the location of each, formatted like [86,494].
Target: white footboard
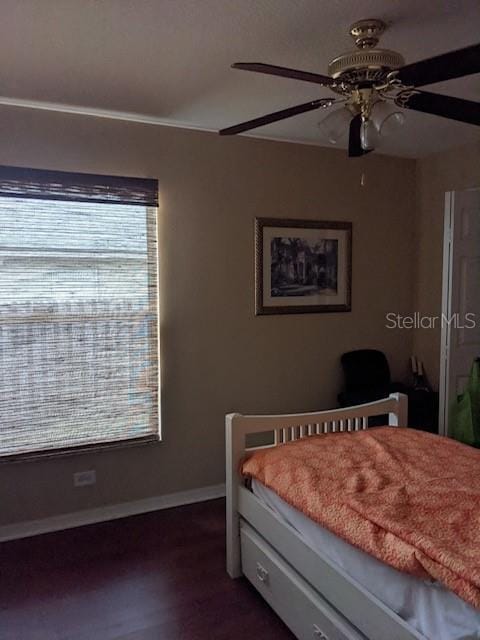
[285,428]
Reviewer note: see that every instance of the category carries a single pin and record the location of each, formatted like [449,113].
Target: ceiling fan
[370,84]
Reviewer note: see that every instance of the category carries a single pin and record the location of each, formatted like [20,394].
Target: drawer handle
[318,633]
[262,573]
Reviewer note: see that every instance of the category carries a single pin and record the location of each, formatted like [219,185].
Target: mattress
[428,606]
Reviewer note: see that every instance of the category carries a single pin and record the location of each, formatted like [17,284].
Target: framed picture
[302,266]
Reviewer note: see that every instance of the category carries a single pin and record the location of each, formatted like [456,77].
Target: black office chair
[367,377]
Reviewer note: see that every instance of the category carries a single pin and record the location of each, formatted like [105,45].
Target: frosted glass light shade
[368,135]
[335,125]
[387,118]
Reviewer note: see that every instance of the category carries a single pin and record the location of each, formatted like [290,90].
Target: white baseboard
[110,512]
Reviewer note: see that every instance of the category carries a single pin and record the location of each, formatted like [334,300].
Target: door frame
[446,325]
[447,272]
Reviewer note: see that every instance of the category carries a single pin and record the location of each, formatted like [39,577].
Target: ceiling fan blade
[354,144]
[446,106]
[272,117]
[284,72]
[453,64]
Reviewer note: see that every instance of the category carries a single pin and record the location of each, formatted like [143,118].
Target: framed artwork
[302,266]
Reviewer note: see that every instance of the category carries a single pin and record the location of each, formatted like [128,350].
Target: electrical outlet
[84,478]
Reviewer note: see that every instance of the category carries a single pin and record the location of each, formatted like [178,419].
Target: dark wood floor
[150,577]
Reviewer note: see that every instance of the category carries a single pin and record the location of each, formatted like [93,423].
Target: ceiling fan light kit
[372,85]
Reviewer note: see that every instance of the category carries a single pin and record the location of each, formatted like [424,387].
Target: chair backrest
[365,368]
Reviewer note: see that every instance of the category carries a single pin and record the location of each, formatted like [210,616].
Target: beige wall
[436,174]
[216,355]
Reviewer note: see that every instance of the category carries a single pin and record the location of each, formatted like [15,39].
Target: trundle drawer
[300,607]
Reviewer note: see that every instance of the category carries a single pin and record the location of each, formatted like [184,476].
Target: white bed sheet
[429,607]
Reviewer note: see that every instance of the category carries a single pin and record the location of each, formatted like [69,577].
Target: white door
[461,296]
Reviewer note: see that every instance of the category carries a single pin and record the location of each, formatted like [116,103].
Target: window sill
[76,450]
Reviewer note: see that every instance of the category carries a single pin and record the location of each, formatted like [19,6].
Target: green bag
[464,423]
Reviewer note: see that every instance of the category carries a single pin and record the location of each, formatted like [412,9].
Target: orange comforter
[409,498]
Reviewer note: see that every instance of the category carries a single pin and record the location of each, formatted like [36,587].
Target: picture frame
[302,266]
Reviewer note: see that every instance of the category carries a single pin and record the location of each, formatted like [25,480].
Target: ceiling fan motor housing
[366,64]
[373,64]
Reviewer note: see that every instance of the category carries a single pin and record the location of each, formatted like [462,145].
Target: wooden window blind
[78,310]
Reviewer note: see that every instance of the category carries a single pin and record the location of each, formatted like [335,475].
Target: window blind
[78,310]
[19,182]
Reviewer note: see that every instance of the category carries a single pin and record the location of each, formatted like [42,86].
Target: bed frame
[313,596]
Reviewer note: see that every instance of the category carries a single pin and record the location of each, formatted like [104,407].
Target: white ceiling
[170,59]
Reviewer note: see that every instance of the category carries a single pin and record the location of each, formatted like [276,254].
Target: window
[78,310]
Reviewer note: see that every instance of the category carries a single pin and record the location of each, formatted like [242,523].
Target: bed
[320,585]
